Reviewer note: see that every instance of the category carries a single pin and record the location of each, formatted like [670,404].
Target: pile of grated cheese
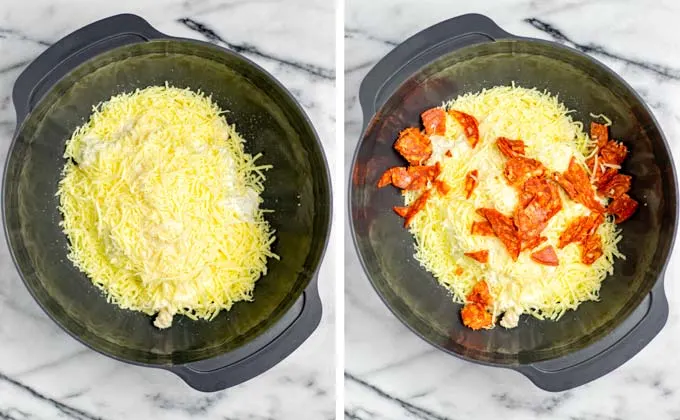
[442,228]
[160,203]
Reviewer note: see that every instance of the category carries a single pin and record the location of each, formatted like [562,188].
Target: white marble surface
[392,374]
[45,374]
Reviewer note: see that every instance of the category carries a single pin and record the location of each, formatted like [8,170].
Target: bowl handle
[239,368]
[73,50]
[420,49]
[586,365]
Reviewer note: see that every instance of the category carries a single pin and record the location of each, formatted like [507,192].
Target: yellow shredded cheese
[442,228]
[160,203]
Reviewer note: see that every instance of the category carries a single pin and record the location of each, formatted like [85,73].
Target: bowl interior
[386,248]
[297,189]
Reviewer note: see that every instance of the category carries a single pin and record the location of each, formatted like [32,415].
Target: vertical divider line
[339,185]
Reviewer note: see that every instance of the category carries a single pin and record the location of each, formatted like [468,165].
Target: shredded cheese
[442,228]
[160,203]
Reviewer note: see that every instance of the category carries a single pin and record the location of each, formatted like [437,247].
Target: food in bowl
[161,205]
[513,207]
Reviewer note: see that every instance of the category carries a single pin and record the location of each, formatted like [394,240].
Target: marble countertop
[391,373]
[44,373]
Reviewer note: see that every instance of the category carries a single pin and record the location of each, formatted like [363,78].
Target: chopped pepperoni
[401,211]
[413,146]
[448,153]
[533,242]
[434,121]
[546,256]
[603,178]
[591,249]
[476,317]
[415,207]
[398,176]
[469,124]
[577,185]
[519,169]
[504,228]
[539,201]
[480,294]
[442,187]
[470,182]
[481,256]
[510,148]
[420,176]
[580,228]
[411,178]
[599,133]
[481,229]
[613,153]
[622,208]
[459,271]
[616,186]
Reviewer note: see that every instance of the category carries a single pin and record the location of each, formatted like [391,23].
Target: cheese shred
[160,203]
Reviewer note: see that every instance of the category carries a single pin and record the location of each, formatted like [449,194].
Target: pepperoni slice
[576,184]
[413,146]
[599,133]
[416,206]
[397,176]
[510,148]
[401,211]
[602,178]
[481,229]
[434,121]
[476,317]
[504,228]
[533,242]
[546,256]
[442,187]
[613,152]
[420,176]
[519,169]
[470,182]
[622,208]
[469,124]
[539,201]
[591,249]
[480,294]
[580,228]
[616,186]
[481,256]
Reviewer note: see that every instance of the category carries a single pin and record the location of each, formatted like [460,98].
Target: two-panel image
[305,209]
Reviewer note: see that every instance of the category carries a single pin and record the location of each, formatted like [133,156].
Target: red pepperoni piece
[482,229]
[613,153]
[622,208]
[434,121]
[470,182]
[599,133]
[510,148]
[469,124]
[616,186]
[481,256]
[546,256]
[519,169]
[504,228]
[413,146]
